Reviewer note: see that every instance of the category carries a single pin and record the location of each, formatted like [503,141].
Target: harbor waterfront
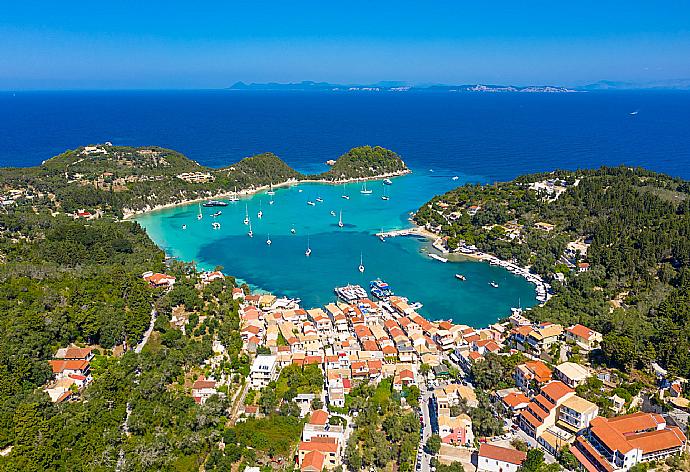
[282,268]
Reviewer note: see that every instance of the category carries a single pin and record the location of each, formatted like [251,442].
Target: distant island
[121,181]
[394,87]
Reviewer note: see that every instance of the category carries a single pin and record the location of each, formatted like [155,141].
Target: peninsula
[121,181]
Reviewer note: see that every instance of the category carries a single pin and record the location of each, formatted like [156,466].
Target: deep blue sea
[493,136]
[477,137]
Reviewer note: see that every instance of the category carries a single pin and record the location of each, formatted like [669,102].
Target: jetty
[399,232]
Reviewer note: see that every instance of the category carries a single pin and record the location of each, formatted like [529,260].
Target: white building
[263,371]
[499,459]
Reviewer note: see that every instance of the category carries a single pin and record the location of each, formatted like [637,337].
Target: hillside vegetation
[117,179]
[630,226]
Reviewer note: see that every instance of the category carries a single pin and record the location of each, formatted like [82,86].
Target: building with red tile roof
[623,441]
[496,458]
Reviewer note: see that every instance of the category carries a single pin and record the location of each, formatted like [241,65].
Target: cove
[283,269]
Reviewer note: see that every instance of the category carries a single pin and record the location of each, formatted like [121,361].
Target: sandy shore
[129,213]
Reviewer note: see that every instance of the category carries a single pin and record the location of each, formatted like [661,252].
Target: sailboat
[200,215]
[215,225]
[184,226]
[270,190]
[361,263]
[364,189]
[384,196]
[292,230]
[246,214]
[250,233]
[268,240]
[308,251]
[345,195]
[340,221]
[260,213]
[234,197]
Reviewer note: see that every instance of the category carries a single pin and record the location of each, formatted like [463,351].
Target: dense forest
[635,225]
[365,161]
[114,179]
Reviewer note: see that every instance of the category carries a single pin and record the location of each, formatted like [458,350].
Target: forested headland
[614,242]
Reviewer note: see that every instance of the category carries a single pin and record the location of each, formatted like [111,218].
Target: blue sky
[174,44]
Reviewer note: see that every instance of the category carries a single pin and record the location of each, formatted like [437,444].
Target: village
[552,397]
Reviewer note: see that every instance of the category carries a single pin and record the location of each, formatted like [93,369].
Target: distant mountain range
[673,84]
[392,86]
[308,85]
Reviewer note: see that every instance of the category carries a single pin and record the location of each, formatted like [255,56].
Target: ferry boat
[380,289]
[493,284]
[364,190]
[215,225]
[437,257]
[388,181]
[460,277]
[215,203]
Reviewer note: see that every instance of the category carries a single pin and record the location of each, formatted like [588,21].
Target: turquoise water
[283,269]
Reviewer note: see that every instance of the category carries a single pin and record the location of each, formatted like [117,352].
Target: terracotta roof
[312,461]
[74,353]
[585,460]
[326,445]
[319,417]
[655,441]
[541,372]
[636,422]
[512,456]
[199,384]
[556,390]
[612,438]
[60,365]
[581,331]
[513,400]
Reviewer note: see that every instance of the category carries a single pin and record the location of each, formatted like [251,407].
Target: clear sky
[183,44]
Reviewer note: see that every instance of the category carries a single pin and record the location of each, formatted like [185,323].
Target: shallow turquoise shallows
[283,269]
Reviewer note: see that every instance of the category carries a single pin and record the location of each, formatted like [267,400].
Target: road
[426,430]
[147,333]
